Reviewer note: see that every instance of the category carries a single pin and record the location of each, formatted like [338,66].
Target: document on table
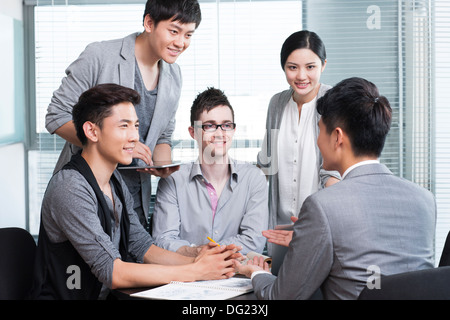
[199,290]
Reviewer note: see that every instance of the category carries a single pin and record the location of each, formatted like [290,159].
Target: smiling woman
[303,69]
[292,114]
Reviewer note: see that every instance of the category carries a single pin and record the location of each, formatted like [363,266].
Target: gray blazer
[371,218]
[114,61]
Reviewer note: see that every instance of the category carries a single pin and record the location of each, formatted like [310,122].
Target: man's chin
[126,162]
[215,159]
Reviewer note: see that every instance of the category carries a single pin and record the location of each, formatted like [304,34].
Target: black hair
[184,11]
[356,106]
[303,40]
[95,104]
[208,100]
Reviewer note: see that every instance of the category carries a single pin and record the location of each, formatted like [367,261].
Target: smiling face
[214,145]
[168,39]
[303,69]
[118,134]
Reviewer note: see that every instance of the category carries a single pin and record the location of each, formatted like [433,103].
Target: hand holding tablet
[159,170]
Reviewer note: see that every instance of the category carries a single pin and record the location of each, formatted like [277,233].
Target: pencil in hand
[213,241]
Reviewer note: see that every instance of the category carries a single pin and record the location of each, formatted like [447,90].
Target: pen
[213,241]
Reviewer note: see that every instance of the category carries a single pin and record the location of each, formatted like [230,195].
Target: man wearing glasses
[215,196]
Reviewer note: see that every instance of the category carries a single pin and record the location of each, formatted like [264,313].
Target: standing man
[142,61]
[371,220]
[88,226]
[215,196]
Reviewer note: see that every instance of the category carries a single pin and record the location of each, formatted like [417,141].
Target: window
[236,48]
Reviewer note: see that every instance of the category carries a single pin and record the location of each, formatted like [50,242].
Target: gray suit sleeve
[166,136]
[307,262]
[80,76]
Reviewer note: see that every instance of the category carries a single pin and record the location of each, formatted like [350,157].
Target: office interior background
[402,46]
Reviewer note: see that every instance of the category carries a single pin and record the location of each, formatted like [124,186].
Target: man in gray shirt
[215,196]
[88,225]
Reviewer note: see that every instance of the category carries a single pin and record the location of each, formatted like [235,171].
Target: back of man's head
[356,106]
[95,104]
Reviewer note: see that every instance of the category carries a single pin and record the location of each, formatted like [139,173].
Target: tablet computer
[150,167]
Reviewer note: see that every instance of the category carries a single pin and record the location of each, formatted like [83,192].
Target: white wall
[12,157]
[12,8]
[12,186]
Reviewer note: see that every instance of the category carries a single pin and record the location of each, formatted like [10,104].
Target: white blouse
[297,157]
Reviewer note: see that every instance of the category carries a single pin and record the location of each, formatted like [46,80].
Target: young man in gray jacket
[144,61]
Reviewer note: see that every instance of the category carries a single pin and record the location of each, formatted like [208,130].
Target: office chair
[445,257]
[17,251]
[428,284]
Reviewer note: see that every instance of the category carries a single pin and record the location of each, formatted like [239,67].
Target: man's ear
[148,23]
[192,132]
[91,131]
[195,132]
[339,135]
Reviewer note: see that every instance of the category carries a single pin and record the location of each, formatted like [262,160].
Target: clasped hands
[229,257]
[216,261]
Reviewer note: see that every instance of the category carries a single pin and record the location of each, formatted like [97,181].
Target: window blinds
[440,33]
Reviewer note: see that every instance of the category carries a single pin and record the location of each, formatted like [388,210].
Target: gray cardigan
[268,158]
[114,61]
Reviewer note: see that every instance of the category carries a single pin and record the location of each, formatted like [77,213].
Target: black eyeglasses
[209,127]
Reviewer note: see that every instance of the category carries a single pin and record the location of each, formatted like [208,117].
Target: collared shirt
[358,165]
[297,157]
[184,214]
[212,197]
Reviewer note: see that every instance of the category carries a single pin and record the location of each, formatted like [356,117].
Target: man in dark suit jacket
[371,223]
